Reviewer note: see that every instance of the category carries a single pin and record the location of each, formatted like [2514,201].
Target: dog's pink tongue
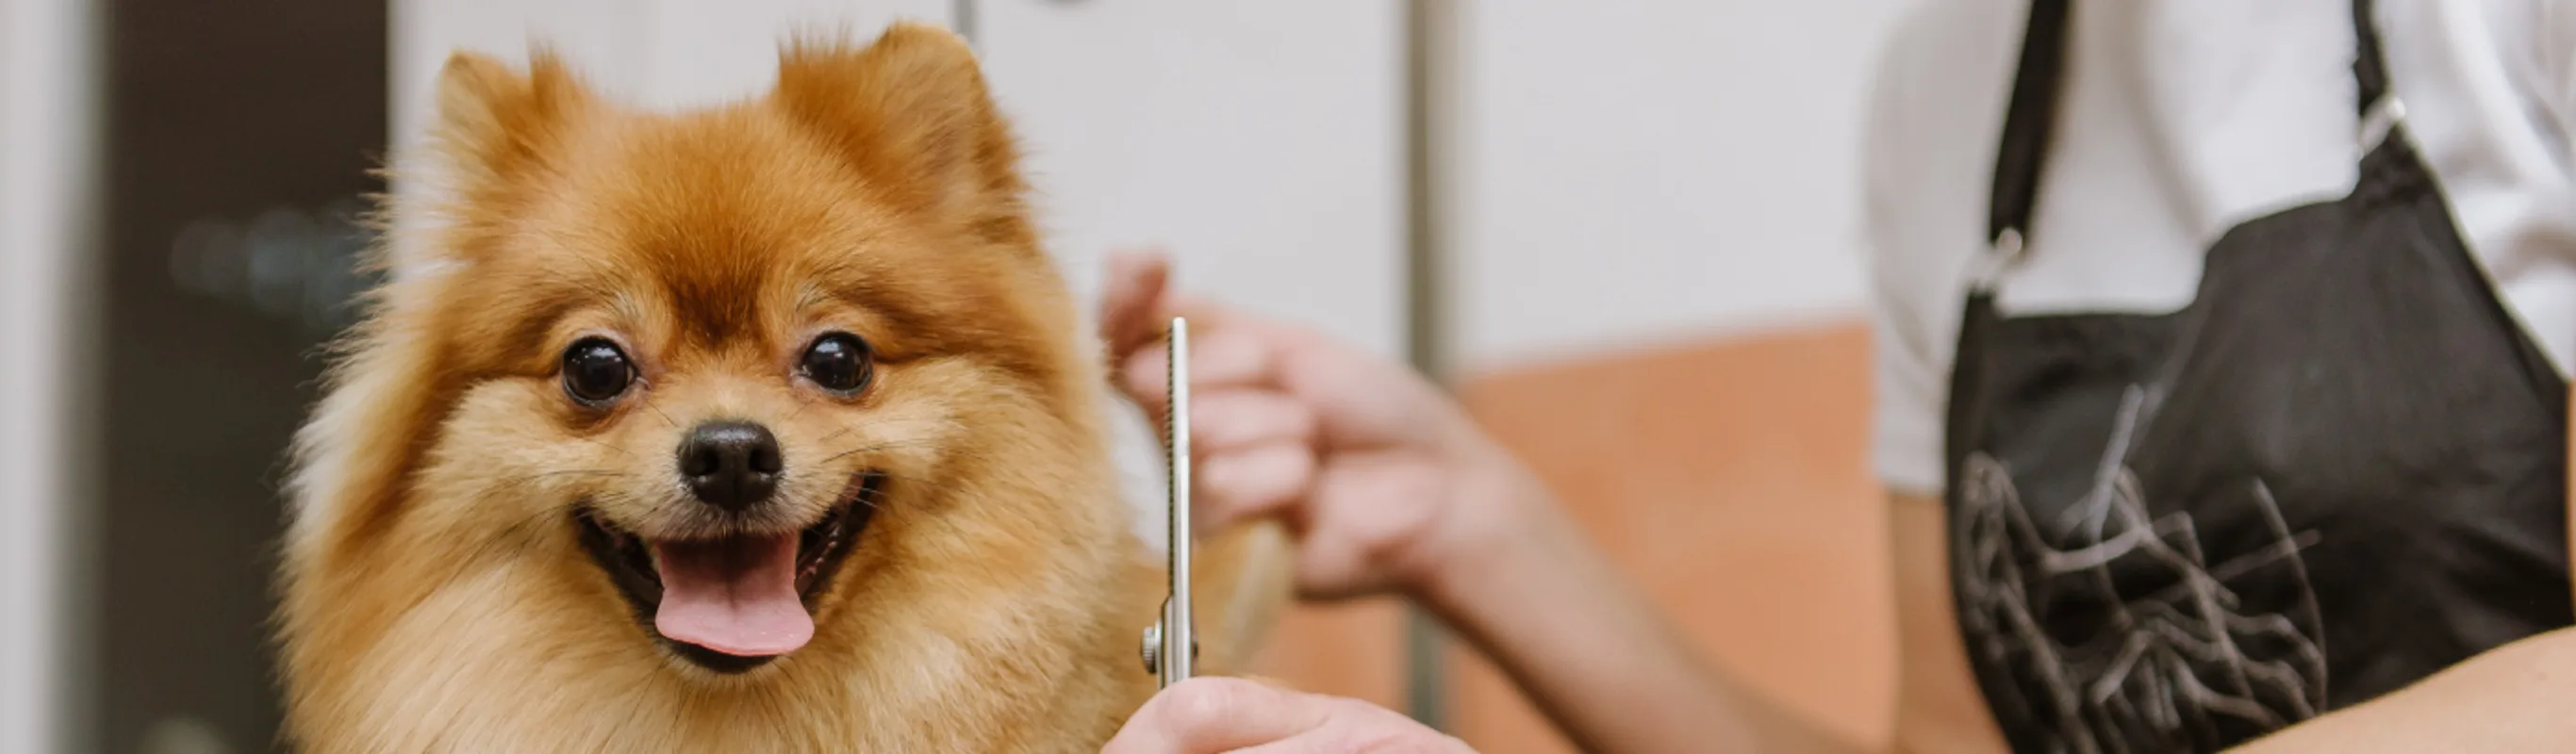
[736,596]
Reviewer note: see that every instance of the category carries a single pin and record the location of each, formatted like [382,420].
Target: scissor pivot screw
[1154,648]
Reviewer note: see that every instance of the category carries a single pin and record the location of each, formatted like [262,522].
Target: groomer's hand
[1213,714]
[1384,479]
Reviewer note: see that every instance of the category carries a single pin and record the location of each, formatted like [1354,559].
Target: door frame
[51,108]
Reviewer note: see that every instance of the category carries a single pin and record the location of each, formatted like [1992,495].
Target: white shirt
[2178,120]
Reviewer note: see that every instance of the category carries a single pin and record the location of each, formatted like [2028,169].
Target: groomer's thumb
[1215,714]
[1132,302]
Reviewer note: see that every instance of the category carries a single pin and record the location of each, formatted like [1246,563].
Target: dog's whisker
[604,444]
[569,472]
[873,448]
[517,536]
[526,480]
[869,494]
[889,424]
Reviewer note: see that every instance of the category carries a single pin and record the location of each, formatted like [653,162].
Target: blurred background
[1625,232]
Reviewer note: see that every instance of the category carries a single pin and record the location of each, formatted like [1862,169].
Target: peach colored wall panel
[1731,479]
[1353,649]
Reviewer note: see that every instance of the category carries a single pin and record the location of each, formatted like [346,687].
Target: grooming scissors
[1171,644]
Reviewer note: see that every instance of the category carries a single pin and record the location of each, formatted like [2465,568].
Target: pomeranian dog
[764,427]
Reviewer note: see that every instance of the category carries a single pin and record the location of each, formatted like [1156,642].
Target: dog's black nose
[730,464]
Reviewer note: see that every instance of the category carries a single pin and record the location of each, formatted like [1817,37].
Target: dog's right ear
[496,122]
[911,112]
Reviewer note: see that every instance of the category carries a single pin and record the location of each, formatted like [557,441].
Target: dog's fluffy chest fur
[526,681]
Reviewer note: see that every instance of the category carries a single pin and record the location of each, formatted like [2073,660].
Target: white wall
[655,53]
[48,122]
[1260,143]
[1638,171]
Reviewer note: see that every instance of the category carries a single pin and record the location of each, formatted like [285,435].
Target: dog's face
[712,354]
[736,383]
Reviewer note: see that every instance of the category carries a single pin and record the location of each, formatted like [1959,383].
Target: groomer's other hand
[1214,714]
[1363,458]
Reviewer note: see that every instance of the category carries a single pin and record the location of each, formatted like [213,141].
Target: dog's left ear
[912,115]
[497,122]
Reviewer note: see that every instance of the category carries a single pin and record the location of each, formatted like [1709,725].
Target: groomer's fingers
[1137,302]
[1219,359]
[1359,726]
[1131,302]
[1365,536]
[1225,420]
[1249,483]
[1215,714]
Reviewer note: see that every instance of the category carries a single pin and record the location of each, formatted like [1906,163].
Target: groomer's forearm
[2520,697]
[1526,587]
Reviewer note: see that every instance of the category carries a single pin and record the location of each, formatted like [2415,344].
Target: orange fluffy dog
[761,428]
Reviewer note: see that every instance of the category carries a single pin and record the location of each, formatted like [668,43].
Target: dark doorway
[240,139]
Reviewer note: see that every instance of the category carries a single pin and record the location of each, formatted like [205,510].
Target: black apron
[2339,470]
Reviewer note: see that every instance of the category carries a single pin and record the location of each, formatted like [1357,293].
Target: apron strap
[2027,121]
[2369,71]
[2032,112]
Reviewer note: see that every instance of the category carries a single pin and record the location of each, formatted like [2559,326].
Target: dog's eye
[839,362]
[594,371]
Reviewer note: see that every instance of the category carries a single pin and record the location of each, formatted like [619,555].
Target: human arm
[2511,698]
[1213,714]
[1393,489]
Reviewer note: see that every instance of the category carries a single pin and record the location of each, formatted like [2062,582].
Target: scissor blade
[1179,636]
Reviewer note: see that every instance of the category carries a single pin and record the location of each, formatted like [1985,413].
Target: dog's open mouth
[735,603]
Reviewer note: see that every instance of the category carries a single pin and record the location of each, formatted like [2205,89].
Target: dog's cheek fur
[503,637]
